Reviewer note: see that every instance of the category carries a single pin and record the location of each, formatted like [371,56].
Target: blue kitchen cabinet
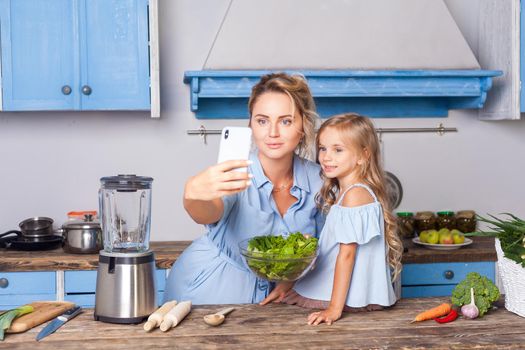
[80,286]
[522,56]
[19,288]
[37,54]
[75,55]
[439,279]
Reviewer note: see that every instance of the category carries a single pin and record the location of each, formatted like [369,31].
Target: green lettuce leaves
[277,258]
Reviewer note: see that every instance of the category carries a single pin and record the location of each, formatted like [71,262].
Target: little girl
[359,249]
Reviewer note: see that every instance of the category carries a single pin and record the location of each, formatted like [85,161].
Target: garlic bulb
[470,310]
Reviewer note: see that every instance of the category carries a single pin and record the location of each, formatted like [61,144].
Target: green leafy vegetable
[485,292]
[278,258]
[510,232]
[7,317]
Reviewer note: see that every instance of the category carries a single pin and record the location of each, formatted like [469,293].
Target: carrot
[437,311]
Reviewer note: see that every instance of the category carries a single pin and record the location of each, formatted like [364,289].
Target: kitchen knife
[58,322]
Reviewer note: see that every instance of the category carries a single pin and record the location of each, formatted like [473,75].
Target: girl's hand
[328,316]
[217,181]
[278,293]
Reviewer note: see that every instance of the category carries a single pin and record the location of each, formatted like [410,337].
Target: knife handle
[69,314]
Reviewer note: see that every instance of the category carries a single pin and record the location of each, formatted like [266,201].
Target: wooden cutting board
[44,311]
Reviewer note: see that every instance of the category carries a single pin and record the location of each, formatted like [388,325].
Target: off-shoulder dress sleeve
[357,224]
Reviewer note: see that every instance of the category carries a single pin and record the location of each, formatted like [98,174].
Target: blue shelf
[385,93]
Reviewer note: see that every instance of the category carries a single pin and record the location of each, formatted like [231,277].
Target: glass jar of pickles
[466,221]
[424,220]
[405,224]
[446,219]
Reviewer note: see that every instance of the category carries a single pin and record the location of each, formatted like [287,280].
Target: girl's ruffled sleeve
[358,224]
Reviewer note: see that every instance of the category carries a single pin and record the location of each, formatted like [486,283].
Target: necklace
[287,185]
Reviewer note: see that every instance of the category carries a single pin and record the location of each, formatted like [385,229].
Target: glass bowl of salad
[280,258]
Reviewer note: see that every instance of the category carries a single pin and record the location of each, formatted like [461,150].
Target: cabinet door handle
[86,90]
[66,89]
[4,282]
[449,274]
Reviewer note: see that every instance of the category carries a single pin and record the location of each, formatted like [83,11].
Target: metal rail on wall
[440,130]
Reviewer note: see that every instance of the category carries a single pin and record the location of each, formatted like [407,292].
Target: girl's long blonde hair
[359,132]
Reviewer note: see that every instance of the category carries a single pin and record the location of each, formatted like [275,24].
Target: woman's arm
[344,267]
[203,192]
[278,293]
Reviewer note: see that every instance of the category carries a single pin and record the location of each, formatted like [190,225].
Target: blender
[126,291]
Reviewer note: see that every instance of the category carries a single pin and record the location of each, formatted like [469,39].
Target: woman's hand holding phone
[218,180]
[203,192]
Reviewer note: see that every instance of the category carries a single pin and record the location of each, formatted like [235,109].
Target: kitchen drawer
[439,279]
[442,290]
[444,273]
[80,281]
[19,288]
[27,283]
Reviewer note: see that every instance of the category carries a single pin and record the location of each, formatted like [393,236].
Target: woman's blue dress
[212,271]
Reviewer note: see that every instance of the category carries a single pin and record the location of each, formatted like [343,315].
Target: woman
[275,196]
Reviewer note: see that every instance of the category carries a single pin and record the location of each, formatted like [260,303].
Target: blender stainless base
[126,291]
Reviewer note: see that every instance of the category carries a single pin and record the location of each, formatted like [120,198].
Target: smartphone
[235,144]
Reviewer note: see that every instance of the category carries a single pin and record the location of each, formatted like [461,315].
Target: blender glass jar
[125,208]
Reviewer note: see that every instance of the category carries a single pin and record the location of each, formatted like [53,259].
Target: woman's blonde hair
[359,132]
[296,87]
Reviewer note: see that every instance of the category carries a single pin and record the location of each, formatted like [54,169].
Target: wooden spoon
[218,317]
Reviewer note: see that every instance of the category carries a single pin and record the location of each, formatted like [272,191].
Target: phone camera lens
[226,133]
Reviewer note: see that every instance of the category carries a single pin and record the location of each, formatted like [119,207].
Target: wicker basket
[513,278]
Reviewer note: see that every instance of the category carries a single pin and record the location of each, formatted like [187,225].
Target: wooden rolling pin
[155,319]
[175,315]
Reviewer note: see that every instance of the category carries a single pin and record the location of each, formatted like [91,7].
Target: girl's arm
[343,273]
[203,192]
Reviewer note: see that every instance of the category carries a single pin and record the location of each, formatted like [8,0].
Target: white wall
[51,162]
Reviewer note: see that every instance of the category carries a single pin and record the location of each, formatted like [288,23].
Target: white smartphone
[235,144]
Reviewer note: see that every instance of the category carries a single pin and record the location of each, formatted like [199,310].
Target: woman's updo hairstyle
[296,87]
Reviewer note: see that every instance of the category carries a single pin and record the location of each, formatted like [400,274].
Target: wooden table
[481,249]
[284,327]
[167,252]
[49,260]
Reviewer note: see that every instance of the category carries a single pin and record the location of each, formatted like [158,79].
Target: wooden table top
[167,252]
[481,249]
[50,260]
[284,327]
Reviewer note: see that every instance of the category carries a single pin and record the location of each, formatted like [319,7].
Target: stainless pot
[82,236]
[38,228]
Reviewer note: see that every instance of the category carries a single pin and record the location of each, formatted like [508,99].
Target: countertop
[167,252]
[284,327]
[481,249]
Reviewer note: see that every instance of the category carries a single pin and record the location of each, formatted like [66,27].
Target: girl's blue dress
[212,271]
[371,282]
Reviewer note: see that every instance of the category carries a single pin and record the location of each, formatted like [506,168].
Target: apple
[445,237]
[457,236]
[433,237]
[423,236]
[443,231]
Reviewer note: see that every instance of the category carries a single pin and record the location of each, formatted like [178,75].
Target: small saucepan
[39,228]
[82,236]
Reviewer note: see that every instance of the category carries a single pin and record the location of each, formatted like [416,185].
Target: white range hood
[382,58]
[339,34]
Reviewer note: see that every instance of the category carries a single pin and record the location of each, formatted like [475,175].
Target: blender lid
[126,182]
